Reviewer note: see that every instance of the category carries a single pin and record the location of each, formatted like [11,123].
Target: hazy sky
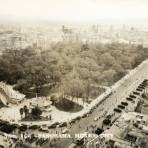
[76,10]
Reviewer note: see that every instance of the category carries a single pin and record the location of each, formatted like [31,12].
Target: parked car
[108,116]
[145,80]
[54,125]
[117,110]
[124,103]
[8,128]
[99,131]
[143,84]
[132,96]
[23,128]
[138,89]
[34,127]
[63,124]
[136,93]
[42,129]
[73,121]
[85,115]
[121,106]
[129,99]
[141,87]
[80,141]
[78,118]
[106,121]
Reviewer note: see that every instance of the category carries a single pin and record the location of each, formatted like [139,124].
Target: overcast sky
[75,10]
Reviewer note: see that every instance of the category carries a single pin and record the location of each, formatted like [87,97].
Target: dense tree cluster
[69,67]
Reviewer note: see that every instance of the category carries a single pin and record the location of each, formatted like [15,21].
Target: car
[143,84]
[145,80]
[138,89]
[99,131]
[78,118]
[106,121]
[136,93]
[129,99]
[73,121]
[117,110]
[132,96]
[63,124]
[54,125]
[8,128]
[121,106]
[108,116]
[85,115]
[23,128]
[34,127]
[124,103]
[80,141]
[41,129]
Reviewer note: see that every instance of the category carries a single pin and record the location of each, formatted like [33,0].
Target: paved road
[107,105]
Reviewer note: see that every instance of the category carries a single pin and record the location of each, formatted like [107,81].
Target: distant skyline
[74,10]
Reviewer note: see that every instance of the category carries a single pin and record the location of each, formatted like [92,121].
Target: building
[130,130]
[8,95]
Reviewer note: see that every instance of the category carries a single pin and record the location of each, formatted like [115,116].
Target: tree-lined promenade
[70,68]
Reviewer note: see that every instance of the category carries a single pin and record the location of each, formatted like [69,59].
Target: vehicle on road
[138,89]
[99,131]
[33,127]
[73,121]
[23,128]
[106,121]
[85,115]
[132,96]
[129,99]
[53,125]
[136,93]
[43,129]
[141,87]
[124,103]
[117,110]
[80,141]
[121,107]
[78,118]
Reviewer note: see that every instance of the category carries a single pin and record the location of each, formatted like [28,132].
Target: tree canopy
[71,67]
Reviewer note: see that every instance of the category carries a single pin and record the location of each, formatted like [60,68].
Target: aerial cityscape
[73,74]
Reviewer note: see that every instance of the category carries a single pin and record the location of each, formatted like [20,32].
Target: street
[106,106]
